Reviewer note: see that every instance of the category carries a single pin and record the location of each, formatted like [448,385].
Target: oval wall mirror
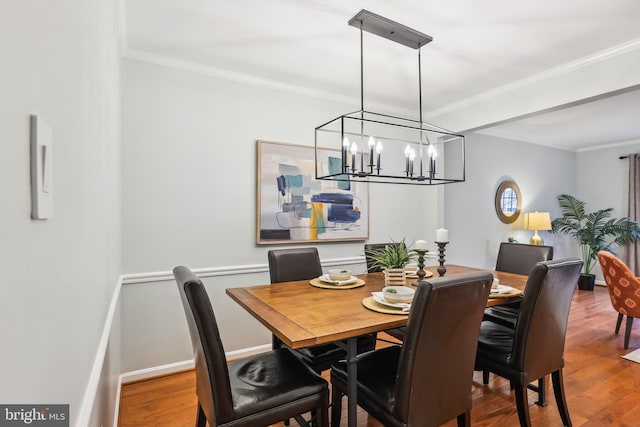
[508,202]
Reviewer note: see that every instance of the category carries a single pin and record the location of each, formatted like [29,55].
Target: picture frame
[293,207]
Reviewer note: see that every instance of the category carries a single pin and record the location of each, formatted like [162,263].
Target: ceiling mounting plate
[391,30]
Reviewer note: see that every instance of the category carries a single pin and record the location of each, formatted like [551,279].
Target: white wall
[60,61]
[189,196]
[541,173]
[603,181]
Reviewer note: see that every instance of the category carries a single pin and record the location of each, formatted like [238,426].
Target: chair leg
[464,419]
[201,418]
[558,391]
[336,407]
[522,403]
[322,419]
[542,392]
[627,331]
[620,316]
[485,376]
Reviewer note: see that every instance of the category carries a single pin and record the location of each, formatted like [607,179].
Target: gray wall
[60,61]
[541,173]
[189,191]
[603,181]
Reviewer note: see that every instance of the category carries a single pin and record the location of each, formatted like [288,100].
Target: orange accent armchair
[624,290]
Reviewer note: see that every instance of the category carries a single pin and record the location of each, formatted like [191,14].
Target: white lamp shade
[537,221]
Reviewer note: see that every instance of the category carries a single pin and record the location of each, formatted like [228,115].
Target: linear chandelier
[377,147]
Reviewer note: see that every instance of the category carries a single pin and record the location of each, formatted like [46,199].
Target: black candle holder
[441,268]
[420,273]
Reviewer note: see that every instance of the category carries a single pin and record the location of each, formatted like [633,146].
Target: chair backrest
[368,247]
[436,361]
[212,375]
[520,258]
[623,286]
[541,325]
[286,265]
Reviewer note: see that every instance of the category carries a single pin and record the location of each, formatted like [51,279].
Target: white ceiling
[479,47]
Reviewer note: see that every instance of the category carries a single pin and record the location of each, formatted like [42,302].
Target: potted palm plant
[594,232]
[392,258]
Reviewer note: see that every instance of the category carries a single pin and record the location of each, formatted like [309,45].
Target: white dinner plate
[502,290]
[379,298]
[325,278]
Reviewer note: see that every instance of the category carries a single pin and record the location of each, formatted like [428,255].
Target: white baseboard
[156,371]
[116,412]
[89,398]
[185,365]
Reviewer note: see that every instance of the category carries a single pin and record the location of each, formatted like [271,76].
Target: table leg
[352,385]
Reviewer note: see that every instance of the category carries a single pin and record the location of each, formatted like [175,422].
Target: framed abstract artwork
[294,207]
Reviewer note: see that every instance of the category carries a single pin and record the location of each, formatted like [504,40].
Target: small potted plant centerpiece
[393,259]
[593,232]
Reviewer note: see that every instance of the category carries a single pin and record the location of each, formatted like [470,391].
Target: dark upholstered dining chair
[533,348]
[255,391]
[286,265]
[427,381]
[517,258]
[520,258]
[624,291]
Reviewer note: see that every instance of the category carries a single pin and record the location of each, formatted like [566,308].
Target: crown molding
[207,70]
[609,146]
[603,55]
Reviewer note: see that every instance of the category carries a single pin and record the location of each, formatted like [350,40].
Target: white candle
[442,235]
[421,245]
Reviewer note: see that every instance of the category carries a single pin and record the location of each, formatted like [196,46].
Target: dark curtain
[633,250]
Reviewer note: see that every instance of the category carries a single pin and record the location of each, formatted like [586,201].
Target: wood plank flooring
[602,388]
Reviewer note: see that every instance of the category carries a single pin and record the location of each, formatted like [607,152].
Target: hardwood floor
[602,388]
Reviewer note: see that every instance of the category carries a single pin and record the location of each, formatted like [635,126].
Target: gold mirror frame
[507,196]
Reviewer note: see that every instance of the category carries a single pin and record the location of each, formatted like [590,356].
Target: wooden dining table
[302,315]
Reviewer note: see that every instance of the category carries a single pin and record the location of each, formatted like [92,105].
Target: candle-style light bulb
[432,159]
[345,153]
[354,151]
[407,153]
[432,151]
[378,151]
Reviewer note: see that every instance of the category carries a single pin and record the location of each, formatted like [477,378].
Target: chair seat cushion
[495,341]
[267,380]
[376,376]
[321,357]
[504,315]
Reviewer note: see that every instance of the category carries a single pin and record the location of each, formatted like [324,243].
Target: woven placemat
[415,276]
[324,285]
[371,304]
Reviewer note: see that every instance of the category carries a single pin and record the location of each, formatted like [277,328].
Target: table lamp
[537,221]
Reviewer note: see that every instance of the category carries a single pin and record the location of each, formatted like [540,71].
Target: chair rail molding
[162,276]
